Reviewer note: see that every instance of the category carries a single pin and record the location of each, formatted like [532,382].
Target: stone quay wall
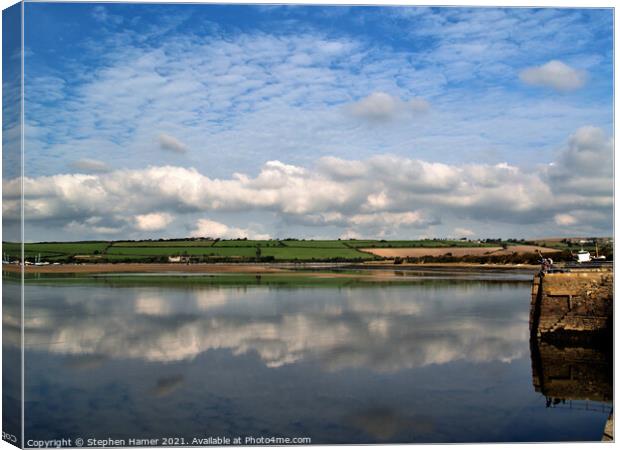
[572,302]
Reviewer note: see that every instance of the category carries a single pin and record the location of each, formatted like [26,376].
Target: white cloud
[463,232]
[589,152]
[90,165]
[167,142]
[153,221]
[380,106]
[584,167]
[258,96]
[418,105]
[152,305]
[90,227]
[384,195]
[213,229]
[377,106]
[554,74]
[564,219]
[381,224]
[100,14]
[261,95]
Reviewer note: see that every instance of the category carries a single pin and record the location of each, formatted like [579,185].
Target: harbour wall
[572,304]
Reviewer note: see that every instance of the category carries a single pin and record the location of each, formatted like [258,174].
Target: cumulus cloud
[153,221]
[271,94]
[463,232]
[380,106]
[564,219]
[589,153]
[384,195]
[584,166]
[90,165]
[383,224]
[213,229]
[96,225]
[170,143]
[554,74]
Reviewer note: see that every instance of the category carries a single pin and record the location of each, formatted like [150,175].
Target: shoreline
[256,268]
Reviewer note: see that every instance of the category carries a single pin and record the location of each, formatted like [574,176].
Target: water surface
[441,359]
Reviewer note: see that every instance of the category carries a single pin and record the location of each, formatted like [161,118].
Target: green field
[247,243]
[55,250]
[278,253]
[314,244]
[171,243]
[176,251]
[232,250]
[158,251]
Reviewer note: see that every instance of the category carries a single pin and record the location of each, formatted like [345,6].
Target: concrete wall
[578,301]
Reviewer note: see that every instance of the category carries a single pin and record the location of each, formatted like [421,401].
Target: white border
[479,3]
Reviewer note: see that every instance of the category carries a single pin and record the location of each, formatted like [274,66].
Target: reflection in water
[383,423]
[572,375]
[11,360]
[166,385]
[388,330]
[415,363]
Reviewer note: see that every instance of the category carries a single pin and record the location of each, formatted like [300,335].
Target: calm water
[432,361]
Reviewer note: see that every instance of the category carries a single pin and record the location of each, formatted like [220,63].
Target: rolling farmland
[196,250]
[243,250]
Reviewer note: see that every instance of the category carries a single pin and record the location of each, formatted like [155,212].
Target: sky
[151,121]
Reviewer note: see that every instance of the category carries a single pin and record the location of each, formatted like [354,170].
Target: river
[433,358]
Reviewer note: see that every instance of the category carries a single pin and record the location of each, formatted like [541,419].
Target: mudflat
[378,268]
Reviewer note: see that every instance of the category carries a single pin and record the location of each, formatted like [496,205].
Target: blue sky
[393,122]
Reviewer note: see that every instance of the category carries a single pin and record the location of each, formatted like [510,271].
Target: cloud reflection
[381,329]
